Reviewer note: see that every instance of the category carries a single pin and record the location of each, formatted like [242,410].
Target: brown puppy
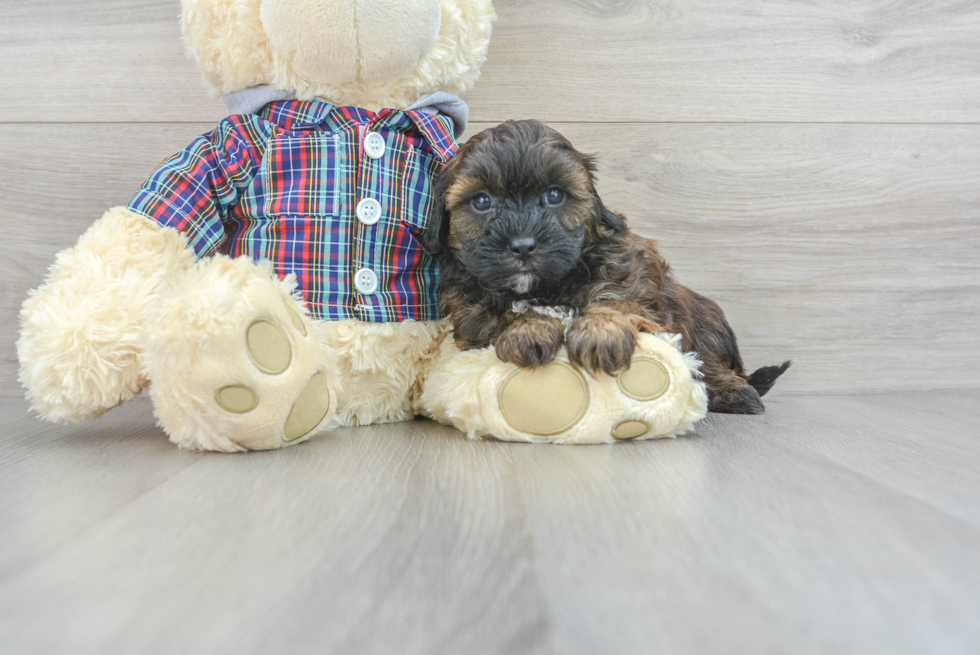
[519,220]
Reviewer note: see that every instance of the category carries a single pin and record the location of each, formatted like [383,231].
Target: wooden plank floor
[829,525]
[556,60]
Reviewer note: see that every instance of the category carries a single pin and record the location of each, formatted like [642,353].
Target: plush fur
[310,49]
[382,366]
[79,347]
[522,222]
[351,40]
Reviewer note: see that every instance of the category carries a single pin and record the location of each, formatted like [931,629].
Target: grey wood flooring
[837,524]
[556,60]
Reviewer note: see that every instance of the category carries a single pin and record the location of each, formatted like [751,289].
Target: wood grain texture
[849,249]
[829,525]
[568,60]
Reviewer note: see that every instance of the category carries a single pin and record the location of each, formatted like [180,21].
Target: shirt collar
[437,130]
[438,117]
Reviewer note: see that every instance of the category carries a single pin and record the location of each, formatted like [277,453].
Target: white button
[368,211]
[374,145]
[366,281]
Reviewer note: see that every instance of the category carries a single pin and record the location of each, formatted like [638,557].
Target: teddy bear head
[367,53]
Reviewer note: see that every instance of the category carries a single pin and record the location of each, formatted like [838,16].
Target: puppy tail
[765,377]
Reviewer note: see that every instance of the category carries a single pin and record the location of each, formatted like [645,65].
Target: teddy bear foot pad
[659,395]
[553,399]
[268,347]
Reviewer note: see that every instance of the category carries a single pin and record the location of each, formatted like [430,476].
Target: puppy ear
[610,219]
[607,218]
[437,231]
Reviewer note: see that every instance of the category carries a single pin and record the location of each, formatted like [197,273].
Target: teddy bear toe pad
[236,398]
[630,430]
[268,347]
[646,379]
[309,410]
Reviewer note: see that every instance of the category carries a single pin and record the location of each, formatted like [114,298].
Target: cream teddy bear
[266,283]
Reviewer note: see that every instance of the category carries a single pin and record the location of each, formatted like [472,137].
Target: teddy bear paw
[658,395]
[553,400]
[269,349]
[235,364]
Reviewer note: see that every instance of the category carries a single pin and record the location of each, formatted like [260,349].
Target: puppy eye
[554,196]
[481,202]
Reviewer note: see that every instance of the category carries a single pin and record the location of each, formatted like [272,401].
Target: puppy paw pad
[646,379]
[268,346]
[309,409]
[544,401]
[630,430]
[236,398]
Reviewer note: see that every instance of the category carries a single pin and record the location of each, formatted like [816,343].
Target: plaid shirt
[283,185]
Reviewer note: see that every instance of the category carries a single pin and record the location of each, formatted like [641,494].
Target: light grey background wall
[812,166]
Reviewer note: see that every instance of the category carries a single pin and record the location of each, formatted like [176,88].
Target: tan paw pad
[236,398]
[646,379]
[268,346]
[630,430]
[544,401]
[309,409]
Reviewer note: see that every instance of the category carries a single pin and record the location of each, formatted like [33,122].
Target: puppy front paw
[603,339]
[531,341]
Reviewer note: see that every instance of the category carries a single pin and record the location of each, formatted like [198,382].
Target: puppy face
[519,205]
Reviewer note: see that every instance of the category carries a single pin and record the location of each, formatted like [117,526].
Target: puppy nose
[523,246]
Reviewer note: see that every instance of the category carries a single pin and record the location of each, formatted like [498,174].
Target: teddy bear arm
[80,343]
[79,346]
[194,190]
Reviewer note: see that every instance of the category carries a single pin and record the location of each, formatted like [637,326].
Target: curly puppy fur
[520,220]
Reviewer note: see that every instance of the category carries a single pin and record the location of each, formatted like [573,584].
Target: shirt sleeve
[193,190]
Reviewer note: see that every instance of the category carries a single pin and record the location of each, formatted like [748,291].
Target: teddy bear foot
[270,352]
[552,400]
[657,396]
[234,364]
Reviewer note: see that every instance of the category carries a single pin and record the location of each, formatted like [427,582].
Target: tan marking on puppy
[580,183]
[463,225]
[574,217]
[461,189]
[574,178]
